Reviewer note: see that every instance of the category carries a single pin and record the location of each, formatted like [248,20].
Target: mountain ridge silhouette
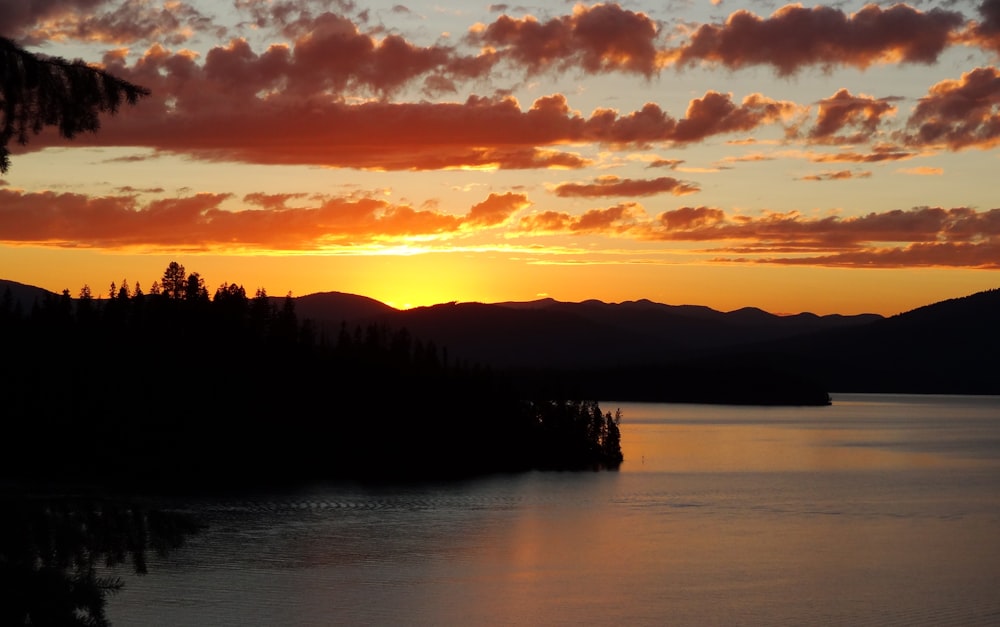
[943,347]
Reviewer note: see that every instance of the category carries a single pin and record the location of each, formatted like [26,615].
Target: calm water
[877,510]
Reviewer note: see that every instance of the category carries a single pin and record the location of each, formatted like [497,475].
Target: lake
[877,510]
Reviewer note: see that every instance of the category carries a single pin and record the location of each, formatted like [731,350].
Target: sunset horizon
[419,155]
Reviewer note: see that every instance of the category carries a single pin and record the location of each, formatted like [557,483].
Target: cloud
[716,113]
[921,236]
[615,186]
[687,218]
[986,33]
[983,255]
[617,219]
[878,154]
[600,38]
[917,225]
[794,37]
[496,209]
[922,171]
[753,157]
[16,16]
[670,164]
[844,110]
[283,118]
[334,54]
[958,114]
[203,222]
[839,175]
[128,189]
[134,20]
[289,17]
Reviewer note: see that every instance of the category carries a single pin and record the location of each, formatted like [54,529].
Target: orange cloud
[283,118]
[687,218]
[749,158]
[923,235]
[839,175]
[200,222]
[496,209]
[617,219]
[600,38]
[614,186]
[878,154]
[917,225]
[959,114]
[922,171]
[984,255]
[794,37]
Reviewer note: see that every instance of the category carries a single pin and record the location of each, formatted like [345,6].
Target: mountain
[946,347]
[643,349]
[23,295]
[697,327]
[337,307]
[554,334]
[657,351]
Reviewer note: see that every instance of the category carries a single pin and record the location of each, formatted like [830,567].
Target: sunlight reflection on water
[875,510]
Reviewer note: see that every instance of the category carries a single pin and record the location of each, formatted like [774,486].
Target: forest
[175,387]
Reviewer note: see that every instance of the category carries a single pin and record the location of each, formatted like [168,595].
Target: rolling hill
[656,351]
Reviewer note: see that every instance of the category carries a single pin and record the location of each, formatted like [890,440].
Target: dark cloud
[794,37]
[844,110]
[959,114]
[129,22]
[614,186]
[716,113]
[986,33]
[18,16]
[599,38]
[839,175]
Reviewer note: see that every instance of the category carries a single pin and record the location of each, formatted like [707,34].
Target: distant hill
[23,295]
[554,334]
[337,307]
[946,347]
[659,350]
[639,347]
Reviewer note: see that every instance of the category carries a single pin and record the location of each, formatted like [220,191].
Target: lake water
[877,510]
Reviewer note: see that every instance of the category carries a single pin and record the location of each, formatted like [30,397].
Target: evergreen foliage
[173,387]
[38,91]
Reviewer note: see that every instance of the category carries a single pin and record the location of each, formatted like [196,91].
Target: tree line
[175,386]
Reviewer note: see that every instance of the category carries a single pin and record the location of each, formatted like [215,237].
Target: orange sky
[835,159]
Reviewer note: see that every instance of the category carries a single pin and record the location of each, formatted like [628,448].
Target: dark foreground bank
[175,388]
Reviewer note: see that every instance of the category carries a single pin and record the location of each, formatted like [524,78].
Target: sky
[832,158]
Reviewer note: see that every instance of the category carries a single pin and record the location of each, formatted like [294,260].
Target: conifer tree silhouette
[38,91]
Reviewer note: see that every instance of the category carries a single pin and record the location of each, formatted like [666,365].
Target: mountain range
[653,351]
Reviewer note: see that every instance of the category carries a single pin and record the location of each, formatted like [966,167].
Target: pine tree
[38,91]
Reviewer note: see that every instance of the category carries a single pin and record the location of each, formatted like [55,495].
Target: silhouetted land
[174,388]
[949,347]
[653,352]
